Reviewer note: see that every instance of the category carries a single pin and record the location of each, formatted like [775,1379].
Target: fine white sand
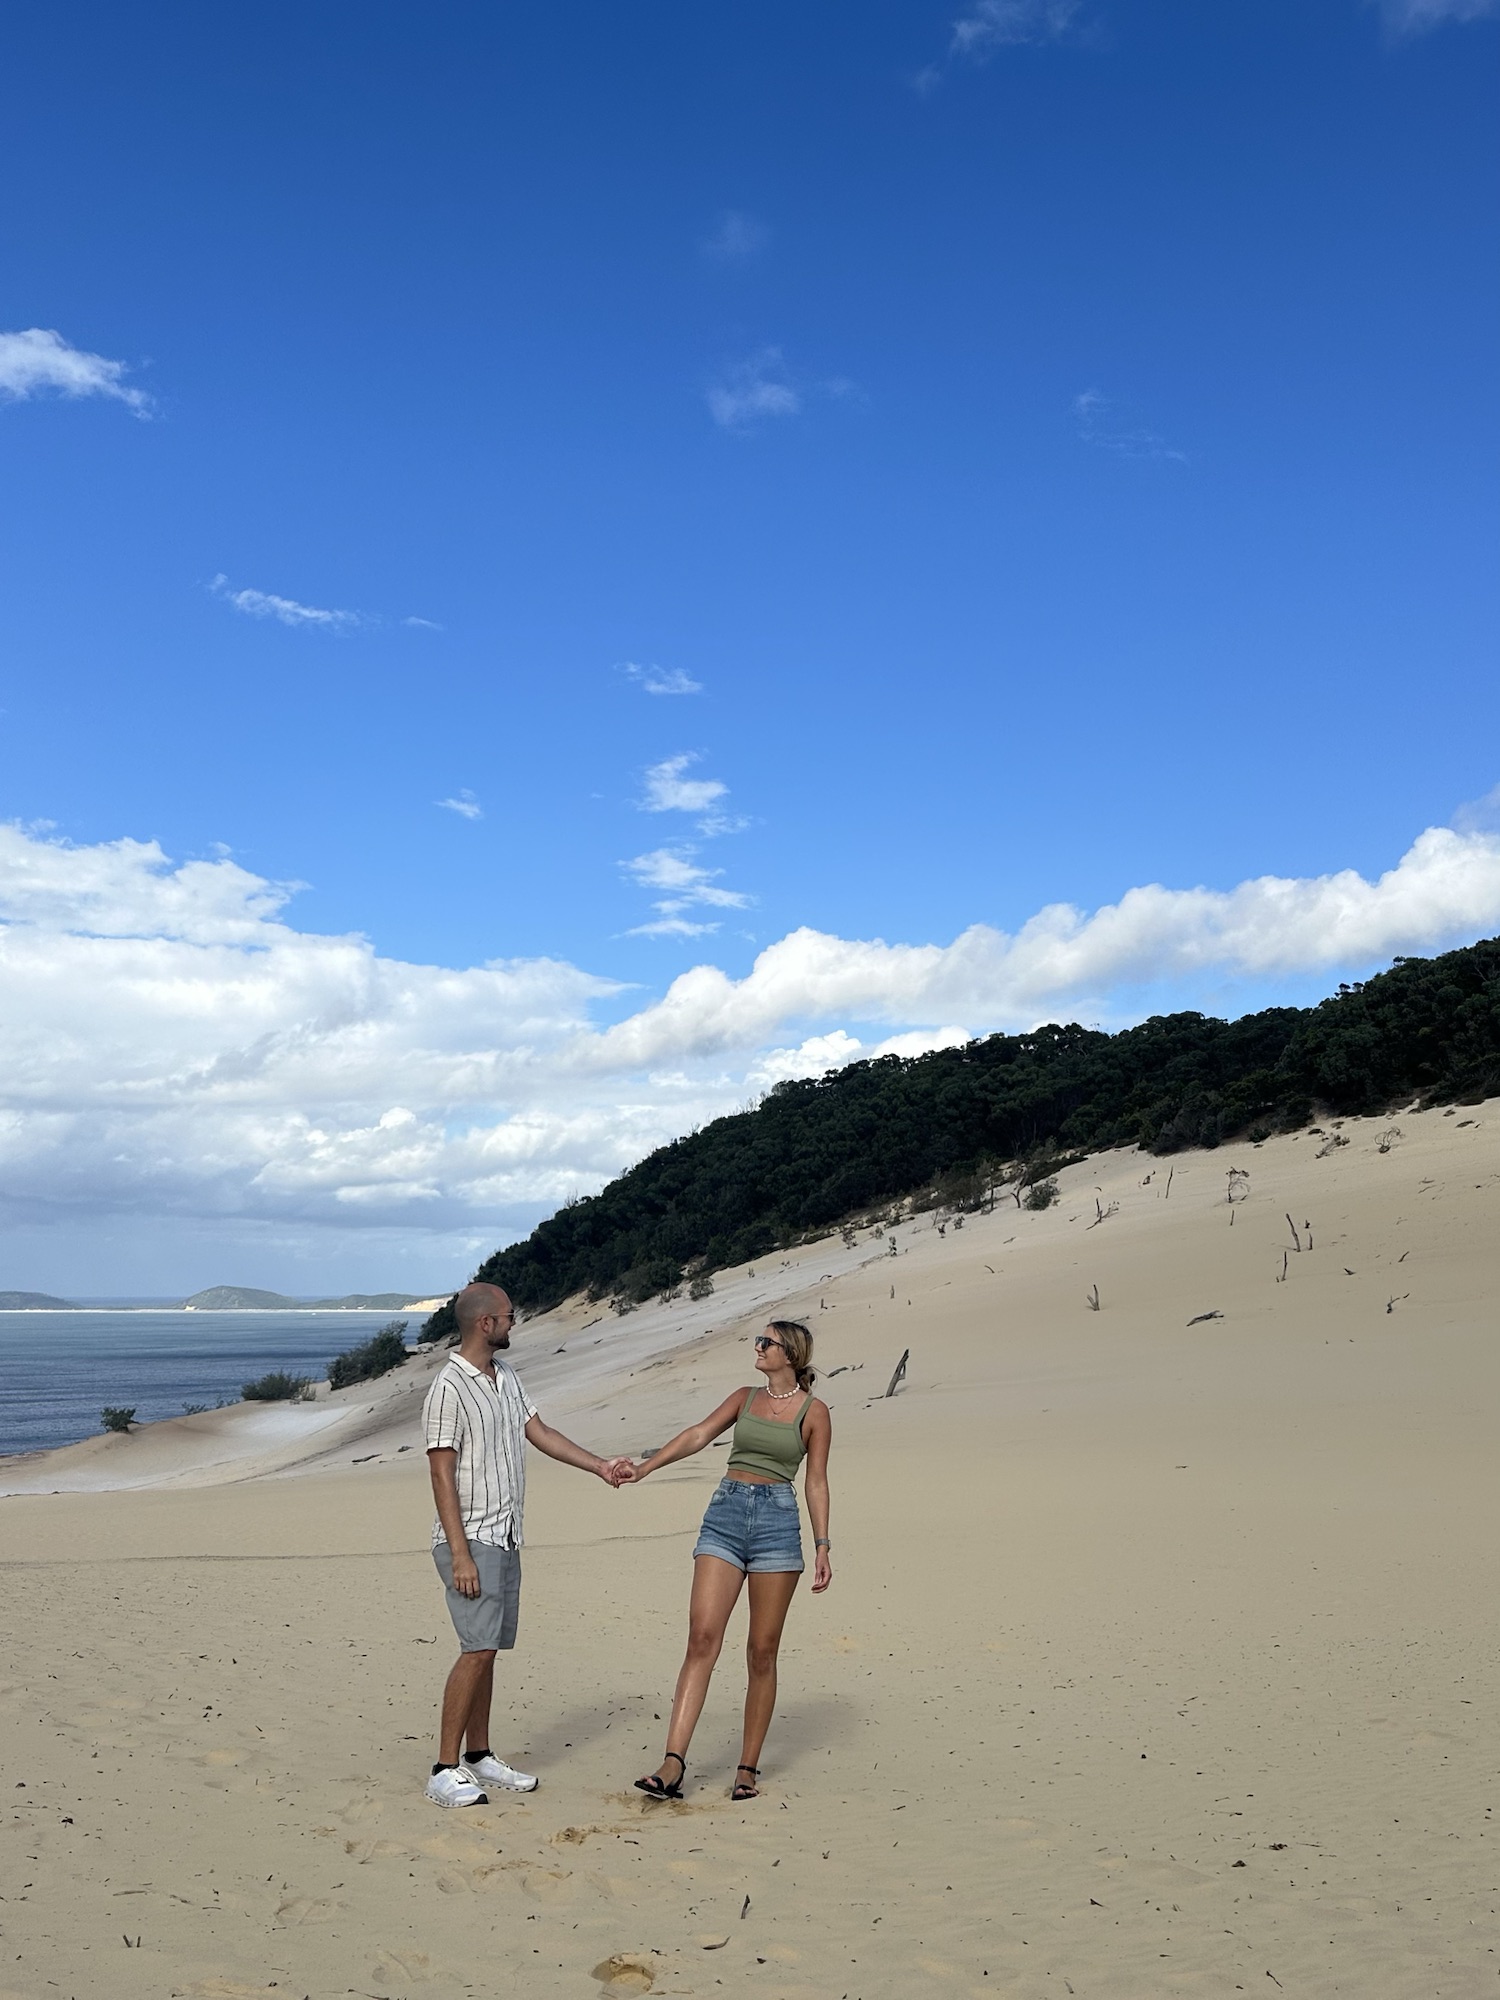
[1159,1658]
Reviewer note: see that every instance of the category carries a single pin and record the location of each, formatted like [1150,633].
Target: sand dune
[1159,1657]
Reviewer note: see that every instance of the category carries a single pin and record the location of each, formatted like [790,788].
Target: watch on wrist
[822,1543]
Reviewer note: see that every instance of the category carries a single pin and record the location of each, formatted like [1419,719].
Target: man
[478,1420]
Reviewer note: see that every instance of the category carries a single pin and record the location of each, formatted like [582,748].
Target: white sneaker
[454,1788]
[491,1770]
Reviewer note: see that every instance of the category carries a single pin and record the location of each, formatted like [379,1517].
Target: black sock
[473,1756]
[443,1767]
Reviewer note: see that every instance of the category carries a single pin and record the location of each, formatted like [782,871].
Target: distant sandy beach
[1159,1657]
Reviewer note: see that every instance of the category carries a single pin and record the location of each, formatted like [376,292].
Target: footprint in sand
[394,1966]
[307,1910]
[222,1989]
[548,1886]
[625,1972]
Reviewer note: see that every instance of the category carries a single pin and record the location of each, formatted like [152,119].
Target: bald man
[478,1421]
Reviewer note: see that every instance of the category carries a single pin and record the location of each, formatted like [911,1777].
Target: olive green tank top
[763,1445]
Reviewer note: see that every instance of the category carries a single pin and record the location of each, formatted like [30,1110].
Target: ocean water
[59,1369]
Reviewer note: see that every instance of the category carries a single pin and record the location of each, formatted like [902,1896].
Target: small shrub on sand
[278,1387]
[115,1419]
[375,1357]
[1041,1194]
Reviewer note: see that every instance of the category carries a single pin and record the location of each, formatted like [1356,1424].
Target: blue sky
[1048,448]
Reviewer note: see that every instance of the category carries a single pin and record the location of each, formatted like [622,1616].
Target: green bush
[114,1419]
[1041,1194]
[702,1287]
[375,1357]
[278,1387]
[439,1325]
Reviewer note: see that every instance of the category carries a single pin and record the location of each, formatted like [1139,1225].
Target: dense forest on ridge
[812,1153]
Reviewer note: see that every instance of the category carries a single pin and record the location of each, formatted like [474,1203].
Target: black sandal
[656,1788]
[742,1791]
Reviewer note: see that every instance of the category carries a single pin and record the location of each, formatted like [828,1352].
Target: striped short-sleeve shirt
[485,1423]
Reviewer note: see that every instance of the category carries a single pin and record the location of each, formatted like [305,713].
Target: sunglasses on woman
[764,1340]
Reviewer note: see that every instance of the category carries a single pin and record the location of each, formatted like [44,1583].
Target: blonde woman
[752,1528]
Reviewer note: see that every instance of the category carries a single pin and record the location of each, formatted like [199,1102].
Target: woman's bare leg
[770,1600]
[716,1590]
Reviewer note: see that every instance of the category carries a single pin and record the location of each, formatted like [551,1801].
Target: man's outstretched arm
[563,1449]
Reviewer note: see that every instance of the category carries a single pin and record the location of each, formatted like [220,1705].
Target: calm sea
[59,1369]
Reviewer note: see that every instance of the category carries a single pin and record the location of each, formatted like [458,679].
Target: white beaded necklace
[783,1396]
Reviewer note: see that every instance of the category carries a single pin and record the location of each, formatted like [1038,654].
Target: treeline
[813,1153]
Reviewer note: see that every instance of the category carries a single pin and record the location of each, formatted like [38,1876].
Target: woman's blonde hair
[797,1346]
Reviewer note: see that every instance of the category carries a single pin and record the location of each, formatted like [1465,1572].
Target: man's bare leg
[466,1701]
[477,1722]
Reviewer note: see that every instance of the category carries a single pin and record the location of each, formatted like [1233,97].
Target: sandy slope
[1121,1604]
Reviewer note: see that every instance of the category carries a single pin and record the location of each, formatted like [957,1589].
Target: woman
[752,1529]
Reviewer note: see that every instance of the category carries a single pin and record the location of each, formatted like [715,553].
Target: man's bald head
[484,1312]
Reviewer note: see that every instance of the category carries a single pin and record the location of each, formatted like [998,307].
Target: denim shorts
[754,1527]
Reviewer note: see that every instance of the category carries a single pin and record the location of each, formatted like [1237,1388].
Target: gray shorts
[486,1623]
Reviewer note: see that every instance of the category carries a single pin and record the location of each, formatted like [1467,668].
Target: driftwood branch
[1199,1318]
[900,1375]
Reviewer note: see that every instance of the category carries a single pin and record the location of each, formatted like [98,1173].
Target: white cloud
[675,870]
[38,360]
[465,805]
[736,238]
[1100,424]
[687,885]
[667,790]
[175,1055]
[997,24]
[753,390]
[424,624]
[1415,17]
[672,926]
[661,680]
[286,610]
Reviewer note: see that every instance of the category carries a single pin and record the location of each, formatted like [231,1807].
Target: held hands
[616,1471]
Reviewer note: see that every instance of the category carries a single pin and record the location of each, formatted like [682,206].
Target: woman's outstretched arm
[817,1428]
[694,1439]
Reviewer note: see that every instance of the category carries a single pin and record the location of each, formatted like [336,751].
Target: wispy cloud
[424,624]
[661,680]
[992,25]
[687,886]
[750,391]
[667,790]
[286,610]
[1415,17]
[38,361]
[999,24]
[465,805]
[1100,424]
[736,237]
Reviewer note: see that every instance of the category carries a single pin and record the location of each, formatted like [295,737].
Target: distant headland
[228,1298]
[244,1298]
